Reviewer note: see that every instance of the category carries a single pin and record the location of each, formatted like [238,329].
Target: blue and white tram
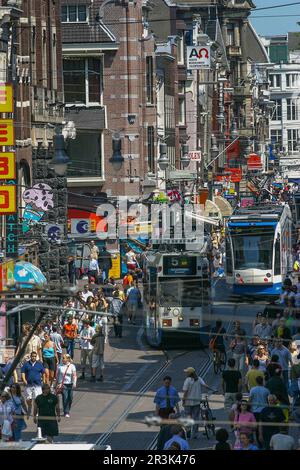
[259,250]
[177,299]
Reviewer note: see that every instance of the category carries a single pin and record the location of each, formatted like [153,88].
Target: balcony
[234,51]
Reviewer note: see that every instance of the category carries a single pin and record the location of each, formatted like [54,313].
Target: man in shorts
[32,374]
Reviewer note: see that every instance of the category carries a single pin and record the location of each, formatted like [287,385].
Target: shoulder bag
[60,387]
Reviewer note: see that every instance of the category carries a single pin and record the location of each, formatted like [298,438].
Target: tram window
[180,292]
[277,267]
[253,248]
[229,267]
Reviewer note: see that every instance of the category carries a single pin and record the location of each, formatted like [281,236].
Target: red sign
[235,175]
[254,162]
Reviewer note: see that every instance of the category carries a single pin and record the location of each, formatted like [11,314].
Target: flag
[271,154]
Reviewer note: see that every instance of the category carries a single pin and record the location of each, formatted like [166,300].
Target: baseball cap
[190,370]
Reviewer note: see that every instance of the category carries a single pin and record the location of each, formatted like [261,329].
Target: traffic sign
[7,136]
[8,199]
[6,98]
[7,166]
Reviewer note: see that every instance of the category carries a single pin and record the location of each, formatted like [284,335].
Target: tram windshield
[180,292]
[253,247]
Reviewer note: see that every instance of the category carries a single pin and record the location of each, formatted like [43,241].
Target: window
[74,13]
[230,35]
[293,140]
[149,78]
[181,100]
[276,137]
[292,109]
[229,267]
[150,139]
[252,247]
[292,80]
[277,267]
[277,111]
[275,80]
[180,48]
[83,81]
[89,165]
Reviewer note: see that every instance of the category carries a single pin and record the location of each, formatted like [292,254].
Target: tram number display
[179,265]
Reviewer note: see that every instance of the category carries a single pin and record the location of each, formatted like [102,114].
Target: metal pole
[20,353]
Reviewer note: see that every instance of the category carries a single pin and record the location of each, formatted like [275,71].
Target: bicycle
[207,417]
[219,360]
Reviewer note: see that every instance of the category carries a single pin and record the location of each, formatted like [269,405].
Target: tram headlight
[237,275]
[268,275]
[176,312]
[180,317]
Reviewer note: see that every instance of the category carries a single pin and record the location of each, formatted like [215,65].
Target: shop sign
[12,236]
[6,98]
[198,57]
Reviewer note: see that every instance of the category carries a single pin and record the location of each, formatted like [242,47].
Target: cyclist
[216,336]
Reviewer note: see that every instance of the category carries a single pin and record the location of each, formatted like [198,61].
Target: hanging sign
[198,57]
[6,98]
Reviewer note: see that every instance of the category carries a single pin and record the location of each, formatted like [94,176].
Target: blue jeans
[285,377]
[194,413]
[67,397]
[19,426]
[70,343]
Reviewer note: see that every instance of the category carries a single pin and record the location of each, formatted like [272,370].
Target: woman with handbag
[66,380]
[19,406]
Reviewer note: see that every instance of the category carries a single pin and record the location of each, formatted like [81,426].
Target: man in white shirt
[282,441]
[192,396]
[86,293]
[85,346]
[94,270]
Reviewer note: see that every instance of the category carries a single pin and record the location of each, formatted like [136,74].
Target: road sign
[7,136]
[198,57]
[195,156]
[7,166]
[8,199]
[6,98]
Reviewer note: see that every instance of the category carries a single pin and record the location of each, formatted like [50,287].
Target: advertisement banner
[6,98]
[115,270]
[198,57]
[8,199]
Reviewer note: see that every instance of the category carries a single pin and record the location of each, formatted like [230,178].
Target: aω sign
[198,57]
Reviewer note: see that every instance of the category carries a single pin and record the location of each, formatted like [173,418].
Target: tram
[259,250]
[177,298]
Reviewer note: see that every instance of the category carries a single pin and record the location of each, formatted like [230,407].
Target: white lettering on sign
[195,156]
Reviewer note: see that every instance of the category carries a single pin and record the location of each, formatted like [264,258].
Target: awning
[28,276]
[224,206]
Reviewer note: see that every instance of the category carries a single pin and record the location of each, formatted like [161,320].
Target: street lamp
[163,160]
[214,150]
[185,158]
[117,159]
[60,161]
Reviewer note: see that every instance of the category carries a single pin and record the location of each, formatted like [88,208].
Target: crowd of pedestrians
[48,367]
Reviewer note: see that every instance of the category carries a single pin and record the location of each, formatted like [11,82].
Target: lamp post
[185,158]
[117,158]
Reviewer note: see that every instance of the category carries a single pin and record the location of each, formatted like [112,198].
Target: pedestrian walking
[4,368]
[166,399]
[282,441]
[58,341]
[192,397]
[284,357]
[46,407]
[50,359]
[246,442]
[6,417]
[66,380]
[244,421]
[133,299]
[93,271]
[69,334]
[271,418]
[19,406]
[238,347]
[252,375]
[231,383]
[262,357]
[263,329]
[98,343]
[34,345]
[32,373]
[86,347]
[116,309]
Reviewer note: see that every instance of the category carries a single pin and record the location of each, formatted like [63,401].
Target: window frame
[295,78]
[273,80]
[151,149]
[292,109]
[277,113]
[87,101]
[77,13]
[292,142]
[149,80]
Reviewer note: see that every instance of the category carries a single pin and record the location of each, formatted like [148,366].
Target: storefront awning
[28,276]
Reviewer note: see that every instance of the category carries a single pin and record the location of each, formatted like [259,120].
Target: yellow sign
[10,268]
[7,166]
[8,199]
[7,135]
[6,98]
[115,270]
